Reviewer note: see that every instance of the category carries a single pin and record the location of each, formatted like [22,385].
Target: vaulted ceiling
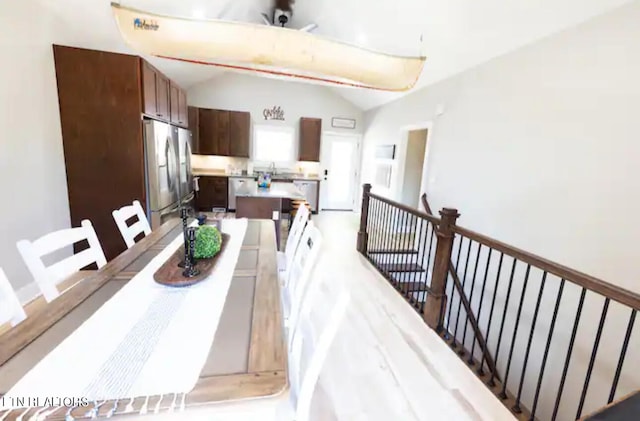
[457,34]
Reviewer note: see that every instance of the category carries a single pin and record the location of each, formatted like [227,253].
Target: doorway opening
[413,167]
[339,162]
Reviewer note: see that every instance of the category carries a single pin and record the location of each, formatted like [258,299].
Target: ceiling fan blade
[265,19]
[309,28]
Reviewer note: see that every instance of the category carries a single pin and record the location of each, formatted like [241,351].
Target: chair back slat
[295,233]
[304,375]
[302,266]
[48,277]
[129,233]
[10,308]
[59,239]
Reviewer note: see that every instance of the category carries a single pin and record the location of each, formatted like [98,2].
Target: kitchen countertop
[282,191]
[274,177]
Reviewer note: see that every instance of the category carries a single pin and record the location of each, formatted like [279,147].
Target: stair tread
[401,267]
[392,251]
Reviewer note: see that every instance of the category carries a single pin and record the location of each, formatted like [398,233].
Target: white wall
[239,92]
[547,134]
[32,175]
[539,148]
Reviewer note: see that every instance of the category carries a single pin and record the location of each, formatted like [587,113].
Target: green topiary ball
[208,242]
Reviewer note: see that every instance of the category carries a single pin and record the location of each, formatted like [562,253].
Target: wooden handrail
[427,208]
[429,217]
[465,303]
[621,295]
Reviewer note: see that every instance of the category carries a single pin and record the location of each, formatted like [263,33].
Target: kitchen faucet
[272,168]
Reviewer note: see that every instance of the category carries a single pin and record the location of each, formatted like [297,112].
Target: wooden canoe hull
[267,50]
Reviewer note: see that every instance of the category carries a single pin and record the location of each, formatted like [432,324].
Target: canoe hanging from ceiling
[269,50]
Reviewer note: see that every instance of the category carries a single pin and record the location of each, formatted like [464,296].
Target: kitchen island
[258,203]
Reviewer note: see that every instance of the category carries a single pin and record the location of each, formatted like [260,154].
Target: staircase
[550,342]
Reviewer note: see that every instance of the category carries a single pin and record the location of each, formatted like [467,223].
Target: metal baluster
[384,257]
[378,226]
[412,274]
[493,302]
[401,247]
[374,227]
[408,258]
[392,246]
[464,279]
[474,340]
[453,290]
[396,247]
[433,230]
[410,278]
[546,350]
[503,394]
[370,225]
[473,285]
[516,408]
[491,382]
[417,285]
[568,357]
[423,250]
[404,259]
[623,353]
[592,360]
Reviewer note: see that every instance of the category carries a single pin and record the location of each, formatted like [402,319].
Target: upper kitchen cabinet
[161,98]
[310,135]
[221,132]
[179,113]
[155,92]
[239,133]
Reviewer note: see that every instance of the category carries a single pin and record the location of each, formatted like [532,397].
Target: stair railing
[554,340]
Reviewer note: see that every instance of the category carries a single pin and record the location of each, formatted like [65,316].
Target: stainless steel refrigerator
[161,166]
[184,166]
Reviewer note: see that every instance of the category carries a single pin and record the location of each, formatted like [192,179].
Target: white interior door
[339,171]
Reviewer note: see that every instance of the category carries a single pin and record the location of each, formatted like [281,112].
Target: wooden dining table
[247,358]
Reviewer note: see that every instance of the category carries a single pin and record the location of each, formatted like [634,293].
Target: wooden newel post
[437,298]
[363,236]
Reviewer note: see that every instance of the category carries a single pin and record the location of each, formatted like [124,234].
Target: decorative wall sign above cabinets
[343,123]
[275,113]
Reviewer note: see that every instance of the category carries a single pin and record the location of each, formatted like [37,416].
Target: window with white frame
[273,143]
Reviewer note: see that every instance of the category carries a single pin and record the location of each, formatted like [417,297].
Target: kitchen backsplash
[229,164]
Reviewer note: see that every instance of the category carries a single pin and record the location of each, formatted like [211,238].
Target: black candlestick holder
[190,269]
[184,215]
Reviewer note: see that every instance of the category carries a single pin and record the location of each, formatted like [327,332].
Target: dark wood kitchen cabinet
[310,137]
[155,92]
[194,127]
[239,133]
[100,100]
[179,112]
[222,132]
[212,193]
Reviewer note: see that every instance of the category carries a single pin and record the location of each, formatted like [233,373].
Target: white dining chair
[10,308]
[304,373]
[301,271]
[130,232]
[47,278]
[293,239]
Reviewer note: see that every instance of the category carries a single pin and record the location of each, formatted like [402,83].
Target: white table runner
[148,339]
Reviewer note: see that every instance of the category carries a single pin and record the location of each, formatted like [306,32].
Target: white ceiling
[457,34]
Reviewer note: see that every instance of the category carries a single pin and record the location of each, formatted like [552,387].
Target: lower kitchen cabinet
[212,193]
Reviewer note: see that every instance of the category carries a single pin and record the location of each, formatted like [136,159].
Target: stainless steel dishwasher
[236,183]
[310,190]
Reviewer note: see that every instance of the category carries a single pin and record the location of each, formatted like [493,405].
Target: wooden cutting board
[170,274]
